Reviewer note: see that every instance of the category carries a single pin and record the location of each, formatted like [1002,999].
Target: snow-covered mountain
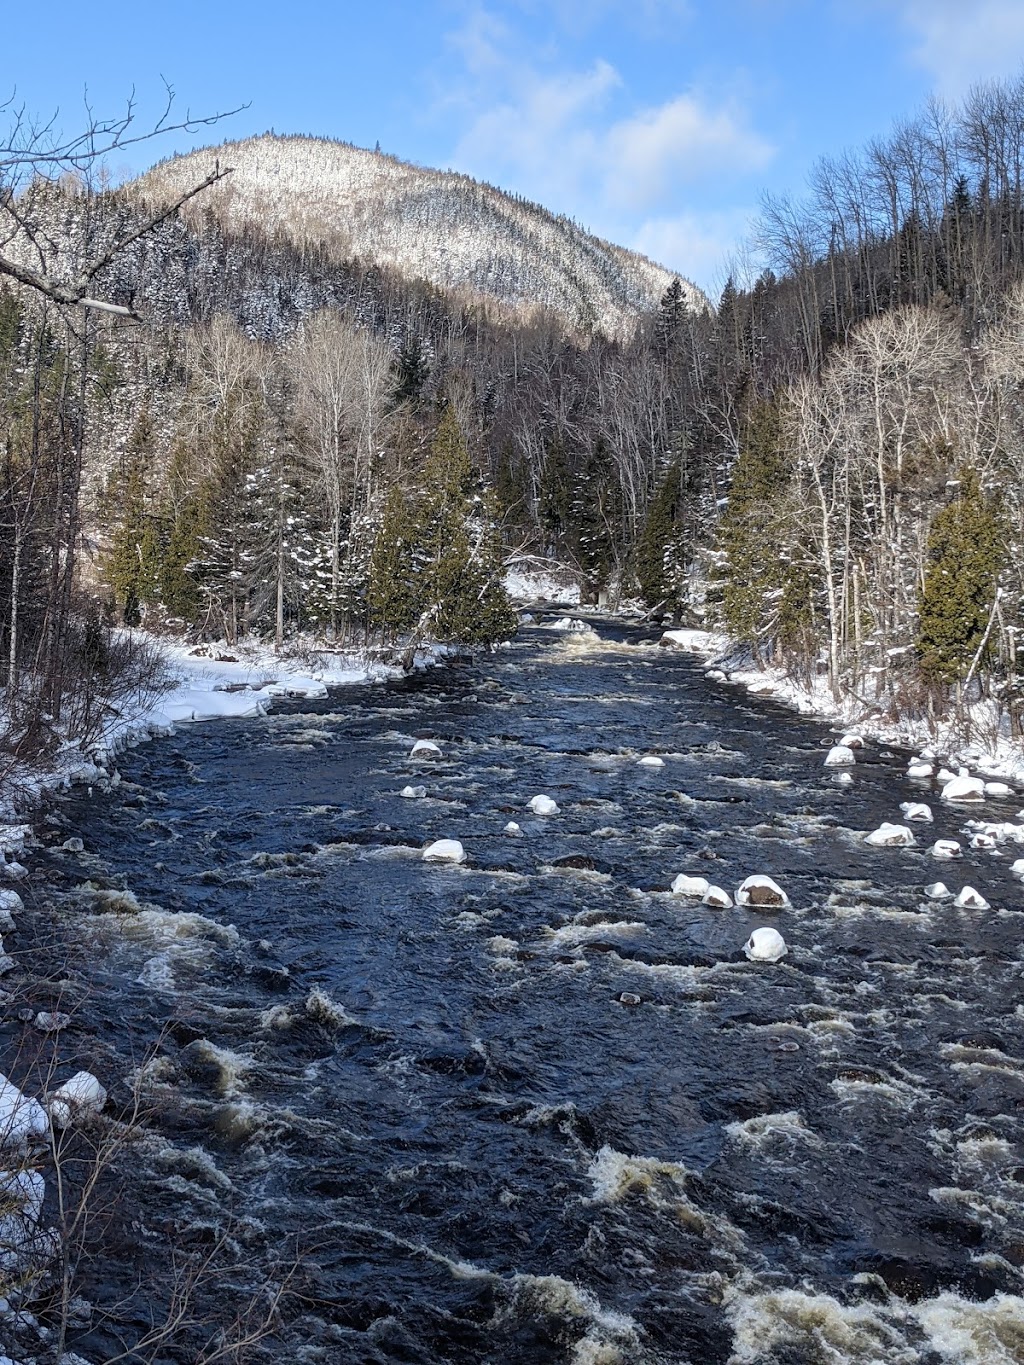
[439,226]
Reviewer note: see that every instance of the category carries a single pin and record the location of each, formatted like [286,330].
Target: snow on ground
[530,580]
[992,752]
[203,683]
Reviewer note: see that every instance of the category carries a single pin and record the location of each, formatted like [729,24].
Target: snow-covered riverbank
[989,748]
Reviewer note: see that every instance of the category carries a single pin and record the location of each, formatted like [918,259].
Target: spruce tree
[659,559]
[393,596]
[965,552]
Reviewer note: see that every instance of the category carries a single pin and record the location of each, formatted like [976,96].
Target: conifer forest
[232,430]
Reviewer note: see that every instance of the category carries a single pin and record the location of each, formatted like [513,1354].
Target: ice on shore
[765,945]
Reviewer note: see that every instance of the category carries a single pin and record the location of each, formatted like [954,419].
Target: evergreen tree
[393,595]
[669,321]
[750,530]
[131,566]
[965,550]
[659,552]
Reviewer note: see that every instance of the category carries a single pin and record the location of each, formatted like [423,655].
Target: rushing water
[424,1077]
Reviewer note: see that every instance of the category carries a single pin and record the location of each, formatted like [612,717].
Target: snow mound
[21,1118]
[920,770]
[513,830]
[969,899]
[890,836]
[542,805]
[840,756]
[946,848]
[444,851]
[964,788]
[762,891]
[916,810]
[999,790]
[685,885]
[852,741]
[765,945]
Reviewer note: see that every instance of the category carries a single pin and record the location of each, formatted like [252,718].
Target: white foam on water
[819,1327]
[766,1130]
[967,1333]
[572,934]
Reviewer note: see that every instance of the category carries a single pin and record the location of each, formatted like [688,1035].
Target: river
[420,1083]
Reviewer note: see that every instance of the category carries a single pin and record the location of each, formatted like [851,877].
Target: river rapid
[420,1082]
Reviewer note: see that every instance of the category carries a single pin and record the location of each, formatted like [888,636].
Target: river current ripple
[423,1076]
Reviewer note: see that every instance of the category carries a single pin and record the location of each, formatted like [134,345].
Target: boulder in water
[946,848]
[890,836]
[852,741]
[651,761]
[916,810]
[685,885]
[762,891]
[51,1021]
[937,891]
[943,776]
[843,778]
[1018,868]
[983,841]
[78,1098]
[920,771]
[717,898]
[444,851]
[425,748]
[765,945]
[969,899]
[21,1118]
[840,756]
[964,788]
[543,805]
[514,830]
[413,793]
[999,790]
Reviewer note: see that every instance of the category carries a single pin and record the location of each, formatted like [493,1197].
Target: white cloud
[682,141]
[706,247]
[962,41]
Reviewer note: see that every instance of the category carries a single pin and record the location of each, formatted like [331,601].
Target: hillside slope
[438,226]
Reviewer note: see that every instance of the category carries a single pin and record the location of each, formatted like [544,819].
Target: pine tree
[393,596]
[659,555]
[965,553]
[750,529]
[669,321]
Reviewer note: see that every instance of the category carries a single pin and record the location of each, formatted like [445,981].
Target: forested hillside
[829,464]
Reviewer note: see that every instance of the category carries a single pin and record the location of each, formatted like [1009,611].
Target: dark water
[423,1076]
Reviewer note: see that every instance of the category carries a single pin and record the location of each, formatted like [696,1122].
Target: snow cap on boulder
[444,851]
[542,805]
[685,885]
[425,748]
[920,770]
[890,836]
[765,945]
[651,761]
[840,756]
[413,793]
[964,788]
[762,891]
[77,1098]
[946,848]
[717,898]
[916,810]
[937,891]
[21,1118]
[969,899]
[999,790]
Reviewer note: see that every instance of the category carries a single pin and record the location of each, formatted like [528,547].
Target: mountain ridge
[444,227]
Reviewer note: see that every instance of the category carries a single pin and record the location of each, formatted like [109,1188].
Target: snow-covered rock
[444,851]
[852,741]
[513,829]
[21,1118]
[944,776]
[11,904]
[13,870]
[542,805]
[843,778]
[969,899]
[413,793]
[651,761]
[425,748]
[840,756]
[717,898]
[685,885]
[946,848]
[570,623]
[999,790]
[763,892]
[937,891]
[22,1194]
[916,810]
[964,788]
[920,771]
[890,836]
[77,1098]
[983,841]
[765,945]
[51,1021]
[73,845]
[1018,868]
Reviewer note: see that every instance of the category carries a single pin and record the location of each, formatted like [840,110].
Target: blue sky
[656,123]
